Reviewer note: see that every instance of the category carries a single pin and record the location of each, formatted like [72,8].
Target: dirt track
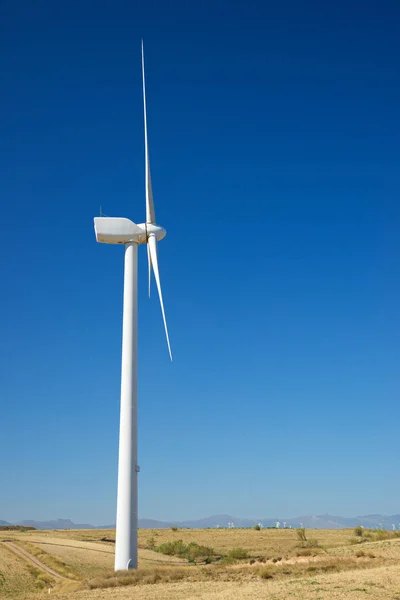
[33,560]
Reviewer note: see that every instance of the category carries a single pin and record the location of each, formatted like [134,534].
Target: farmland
[211,564]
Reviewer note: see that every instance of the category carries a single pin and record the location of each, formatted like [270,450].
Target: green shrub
[238,553]
[257,527]
[358,531]
[191,552]
[174,528]
[177,548]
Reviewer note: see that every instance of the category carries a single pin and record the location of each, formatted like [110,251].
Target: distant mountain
[154,524]
[324,521]
[218,521]
[57,524]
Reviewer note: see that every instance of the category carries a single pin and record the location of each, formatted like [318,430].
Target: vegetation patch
[149,576]
[42,580]
[328,565]
[49,560]
[306,543]
[238,553]
[362,535]
[192,552]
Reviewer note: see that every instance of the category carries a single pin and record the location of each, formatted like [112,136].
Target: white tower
[110,230]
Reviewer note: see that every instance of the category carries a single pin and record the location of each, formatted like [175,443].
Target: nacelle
[118,230]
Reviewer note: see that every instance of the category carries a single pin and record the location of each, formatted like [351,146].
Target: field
[208,564]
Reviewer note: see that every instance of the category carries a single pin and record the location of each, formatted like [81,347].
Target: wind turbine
[116,230]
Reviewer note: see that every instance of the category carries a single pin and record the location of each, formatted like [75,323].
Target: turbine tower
[116,230]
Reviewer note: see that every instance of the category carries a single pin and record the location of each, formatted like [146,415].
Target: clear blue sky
[274,141]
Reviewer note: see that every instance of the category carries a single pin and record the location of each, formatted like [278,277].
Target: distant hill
[154,524]
[324,521]
[56,524]
[219,521]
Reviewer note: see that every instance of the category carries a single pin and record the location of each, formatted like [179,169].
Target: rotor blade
[150,214]
[149,265]
[152,244]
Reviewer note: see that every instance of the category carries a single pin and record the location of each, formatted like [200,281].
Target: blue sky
[274,143]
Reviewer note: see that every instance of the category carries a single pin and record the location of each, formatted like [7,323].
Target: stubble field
[208,564]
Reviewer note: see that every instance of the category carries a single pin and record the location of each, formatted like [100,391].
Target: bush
[191,552]
[313,543]
[238,553]
[174,528]
[177,548]
[301,534]
[358,531]
[381,534]
[266,573]
[356,541]
[257,527]
[194,551]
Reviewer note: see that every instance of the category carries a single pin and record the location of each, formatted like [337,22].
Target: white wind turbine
[115,230]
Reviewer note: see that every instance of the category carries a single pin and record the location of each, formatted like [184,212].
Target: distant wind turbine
[115,230]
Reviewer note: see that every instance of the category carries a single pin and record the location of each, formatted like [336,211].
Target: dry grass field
[208,564]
